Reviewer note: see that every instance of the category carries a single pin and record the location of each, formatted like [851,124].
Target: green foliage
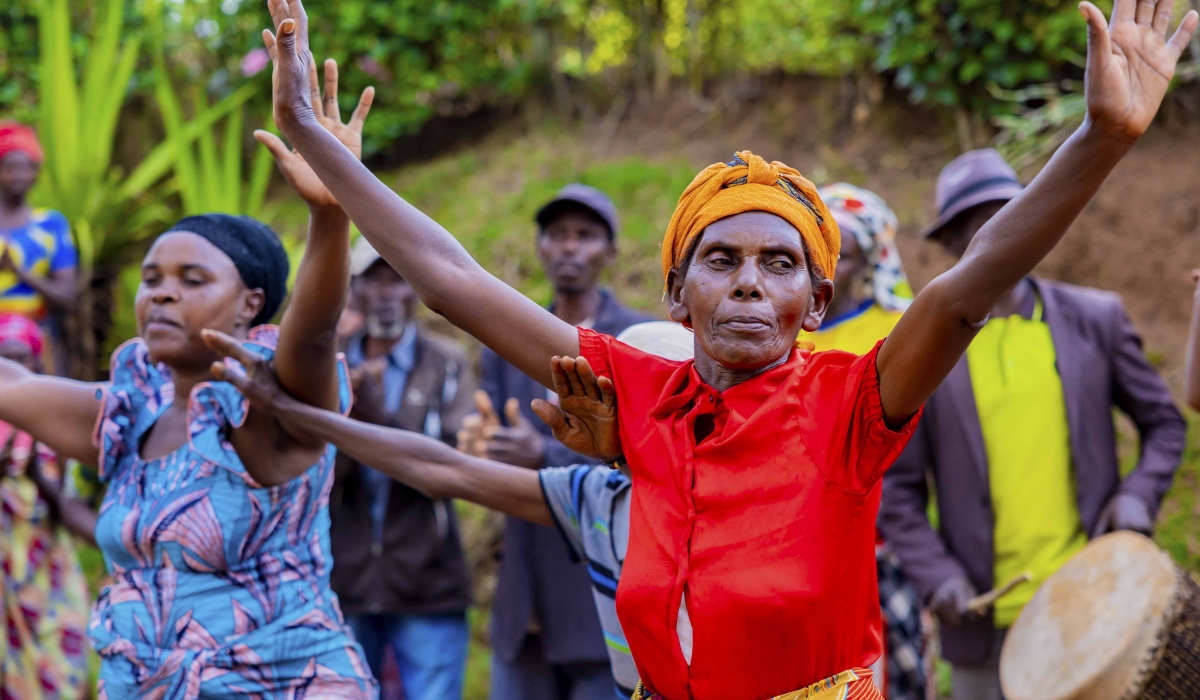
[18,59]
[1033,133]
[209,176]
[77,123]
[948,52]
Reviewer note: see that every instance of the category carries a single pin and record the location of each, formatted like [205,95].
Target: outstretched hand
[257,382]
[328,114]
[1130,63]
[585,419]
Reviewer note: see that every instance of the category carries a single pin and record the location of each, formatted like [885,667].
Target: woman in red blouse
[756,467]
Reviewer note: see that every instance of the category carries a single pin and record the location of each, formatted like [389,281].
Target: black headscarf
[254,249]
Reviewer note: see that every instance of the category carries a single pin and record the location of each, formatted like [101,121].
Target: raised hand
[585,419]
[1130,63]
[327,112]
[257,382]
[291,62]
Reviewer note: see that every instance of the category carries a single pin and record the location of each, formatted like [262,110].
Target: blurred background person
[44,613]
[871,289]
[38,264]
[399,569]
[546,636]
[871,293]
[1020,442]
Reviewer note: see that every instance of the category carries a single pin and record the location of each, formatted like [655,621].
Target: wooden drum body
[1120,621]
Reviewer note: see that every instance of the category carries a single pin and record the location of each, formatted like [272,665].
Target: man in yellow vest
[1020,443]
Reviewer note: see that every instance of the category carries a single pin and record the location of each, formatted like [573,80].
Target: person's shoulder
[1080,297]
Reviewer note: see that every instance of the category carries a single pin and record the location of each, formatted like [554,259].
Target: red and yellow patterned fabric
[855,684]
[43,618]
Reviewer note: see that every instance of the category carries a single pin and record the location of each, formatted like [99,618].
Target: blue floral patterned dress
[220,586]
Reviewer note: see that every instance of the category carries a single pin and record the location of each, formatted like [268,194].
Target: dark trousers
[980,682]
[530,677]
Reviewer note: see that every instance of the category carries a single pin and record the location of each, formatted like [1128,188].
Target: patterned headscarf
[873,224]
[749,183]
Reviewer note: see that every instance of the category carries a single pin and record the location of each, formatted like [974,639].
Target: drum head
[1089,629]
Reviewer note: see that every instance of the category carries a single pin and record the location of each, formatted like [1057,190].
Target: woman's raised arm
[429,258]
[58,412]
[1130,63]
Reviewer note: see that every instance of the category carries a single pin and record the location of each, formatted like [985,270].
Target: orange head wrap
[749,183]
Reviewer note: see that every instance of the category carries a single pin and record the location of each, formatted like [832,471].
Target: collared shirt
[767,526]
[590,504]
[1019,397]
[400,361]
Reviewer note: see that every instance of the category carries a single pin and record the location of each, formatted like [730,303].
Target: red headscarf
[16,137]
[20,329]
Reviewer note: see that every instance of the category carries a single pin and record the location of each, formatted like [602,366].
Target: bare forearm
[78,517]
[945,316]
[441,271]
[306,356]
[1009,246]
[59,412]
[1193,362]
[58,290]
[425,464]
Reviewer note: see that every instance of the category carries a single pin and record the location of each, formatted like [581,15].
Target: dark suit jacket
[537,574]
[1101,364]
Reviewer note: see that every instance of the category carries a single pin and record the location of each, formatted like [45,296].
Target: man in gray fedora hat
[1020,444]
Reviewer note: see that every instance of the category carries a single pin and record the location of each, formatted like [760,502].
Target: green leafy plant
[209,172]
[1032,133]
[952,53]
[77,120]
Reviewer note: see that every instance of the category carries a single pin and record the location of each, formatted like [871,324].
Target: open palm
[1130,63]
[325,108]
[585,419]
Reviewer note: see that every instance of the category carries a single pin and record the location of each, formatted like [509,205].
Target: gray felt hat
[974,178]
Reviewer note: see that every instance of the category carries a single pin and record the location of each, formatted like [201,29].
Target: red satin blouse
[767,526]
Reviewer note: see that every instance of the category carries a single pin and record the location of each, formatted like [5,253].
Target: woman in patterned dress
[43,593]
[214,524]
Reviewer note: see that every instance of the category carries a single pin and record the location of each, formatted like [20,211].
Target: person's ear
[611,251]
[676,298]
[249,304]
[822,295]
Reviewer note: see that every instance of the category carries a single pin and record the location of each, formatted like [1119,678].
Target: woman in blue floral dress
[214,523]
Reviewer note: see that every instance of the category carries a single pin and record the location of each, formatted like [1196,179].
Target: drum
[1120,621]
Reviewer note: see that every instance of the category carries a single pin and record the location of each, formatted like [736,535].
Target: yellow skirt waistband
[855,684]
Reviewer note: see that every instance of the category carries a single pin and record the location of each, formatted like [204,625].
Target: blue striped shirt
[590,503]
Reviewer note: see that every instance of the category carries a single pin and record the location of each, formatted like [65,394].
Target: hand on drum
[950,601]
[1124,512]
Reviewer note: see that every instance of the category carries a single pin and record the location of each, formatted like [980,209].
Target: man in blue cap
[1020,444]
[546,636]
